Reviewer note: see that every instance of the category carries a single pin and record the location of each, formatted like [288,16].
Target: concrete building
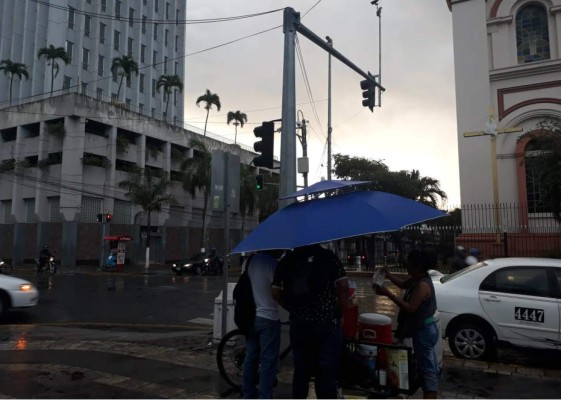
[94,32]
[507,56]
[61,160]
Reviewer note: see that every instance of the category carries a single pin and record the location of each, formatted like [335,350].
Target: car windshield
[463,271]
[196,257]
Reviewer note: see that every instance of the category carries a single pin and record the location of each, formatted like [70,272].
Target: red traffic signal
[264,146]
[108,217]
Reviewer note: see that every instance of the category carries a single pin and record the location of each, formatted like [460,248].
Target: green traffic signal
[259,182]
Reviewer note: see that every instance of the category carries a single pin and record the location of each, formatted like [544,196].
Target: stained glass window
[532,35]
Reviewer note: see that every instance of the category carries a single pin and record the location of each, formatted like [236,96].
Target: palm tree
[124,66]
[196,176]
[427,189]
[13,69]
[150,190]
[248,193]
[209,99]
[239,118]
[52,54]
[168,82]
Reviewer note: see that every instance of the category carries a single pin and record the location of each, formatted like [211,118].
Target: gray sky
[414,129]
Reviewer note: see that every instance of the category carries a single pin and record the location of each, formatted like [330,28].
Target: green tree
[52,54]
[426,190]
[248,193]
[209,99]
[239,118]
[149,189]
[196,176]
[546,161]
[124,66]
[168,82]
[13,69]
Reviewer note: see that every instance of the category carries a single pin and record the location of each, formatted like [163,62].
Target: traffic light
[264,146]
[259,182]
[108,217]
[99,217]
[368,94]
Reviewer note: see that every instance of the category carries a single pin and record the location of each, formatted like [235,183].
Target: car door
[521,303]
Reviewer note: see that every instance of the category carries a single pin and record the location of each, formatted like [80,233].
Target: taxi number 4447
[528,314]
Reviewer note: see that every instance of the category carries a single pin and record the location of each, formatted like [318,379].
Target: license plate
[528,314]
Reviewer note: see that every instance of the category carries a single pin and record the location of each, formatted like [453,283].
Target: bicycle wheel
[230,357]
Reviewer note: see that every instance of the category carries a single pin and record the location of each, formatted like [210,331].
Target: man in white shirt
[263,340]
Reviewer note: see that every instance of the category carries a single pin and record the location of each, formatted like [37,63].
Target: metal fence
[506,230]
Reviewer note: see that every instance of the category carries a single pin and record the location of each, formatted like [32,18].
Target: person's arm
[276,292]
[396,280]
[421,292]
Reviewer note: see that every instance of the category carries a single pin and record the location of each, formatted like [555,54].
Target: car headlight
[207,260]
[26,287]
[1,262]
[187,265]
[51,259]
[174,265]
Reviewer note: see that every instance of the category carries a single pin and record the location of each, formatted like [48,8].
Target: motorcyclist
[44,255]
[459,261]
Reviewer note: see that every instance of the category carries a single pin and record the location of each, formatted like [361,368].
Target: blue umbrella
[336,217]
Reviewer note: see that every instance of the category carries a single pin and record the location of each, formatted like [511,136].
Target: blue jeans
[424,344]
[316,350]
[263,344]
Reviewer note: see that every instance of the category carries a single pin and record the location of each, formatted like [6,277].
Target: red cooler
[375,328]
[350,321]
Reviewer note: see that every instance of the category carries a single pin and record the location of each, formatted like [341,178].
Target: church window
[534,190]
[532,35]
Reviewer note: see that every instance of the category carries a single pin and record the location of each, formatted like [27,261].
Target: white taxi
[16,293]
[514,300]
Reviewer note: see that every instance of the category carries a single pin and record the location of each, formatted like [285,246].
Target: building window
[144,18]
[116,40]
[122,212]
[176,68]
[102,27]
[128,103]
[71,17]
[174,120]
[176,43]
[54,209]
[87,25]
[535,191]
[99,94]
[165,65]
[128,81]
[532,35]
[176,17]
[70,50]
[167,10]
[166,37]
[7,211]
[175,97]
[118,9]
[113,96]
[154,58]
[30,216]
[103,5]
[66,82]
[91,206]
[145,2]
[130,44]
[84,88]
[155,31]
[131,17]
[100,65]
[142,53]
[156,6]
[140,108]
[153,88]
[141,83]
[85,59]
[114,77]
[153,113]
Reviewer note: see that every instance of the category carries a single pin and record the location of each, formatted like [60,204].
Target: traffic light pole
[292,25]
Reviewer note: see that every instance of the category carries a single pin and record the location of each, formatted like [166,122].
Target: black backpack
[244,303]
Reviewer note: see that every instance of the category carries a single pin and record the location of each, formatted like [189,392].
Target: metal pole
[226,244]
[288,135]
[304,149]
[379,15]
[329,129]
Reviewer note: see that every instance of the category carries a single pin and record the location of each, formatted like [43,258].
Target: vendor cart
[118,244]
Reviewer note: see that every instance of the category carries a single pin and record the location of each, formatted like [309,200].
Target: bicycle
[354,374]
[5,267]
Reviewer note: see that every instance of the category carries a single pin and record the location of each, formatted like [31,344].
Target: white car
[16,293]
[514,300]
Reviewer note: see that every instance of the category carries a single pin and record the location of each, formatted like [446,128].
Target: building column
[18,206]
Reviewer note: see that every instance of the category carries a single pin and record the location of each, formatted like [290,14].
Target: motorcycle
[48,266]
[5,267]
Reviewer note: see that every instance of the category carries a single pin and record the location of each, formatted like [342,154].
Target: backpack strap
[245,264]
